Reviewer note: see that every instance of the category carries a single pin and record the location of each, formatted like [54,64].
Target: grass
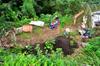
[36,31]
[66,20]
[26,35]
[53,60]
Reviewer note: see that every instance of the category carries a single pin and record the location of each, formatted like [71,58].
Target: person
[55,23]
[85,34]
[83,31]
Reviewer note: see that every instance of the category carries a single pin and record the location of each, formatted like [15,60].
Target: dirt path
[46,34]
[37,37]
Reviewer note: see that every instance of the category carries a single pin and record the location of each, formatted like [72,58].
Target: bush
[89,56]
[66,20]
[22,22]
[46,18]
[93,50]
[93,45]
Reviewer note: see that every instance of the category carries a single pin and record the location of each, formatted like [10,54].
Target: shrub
[22,22]
[46,18]
[93,45]
[65,20]
[88,57]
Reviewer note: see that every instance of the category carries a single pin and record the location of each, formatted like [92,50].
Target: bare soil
[46,34]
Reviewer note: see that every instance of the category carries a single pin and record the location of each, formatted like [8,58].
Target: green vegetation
[15,13]
[20,12]
[87,56]
[25,35]
[93,46]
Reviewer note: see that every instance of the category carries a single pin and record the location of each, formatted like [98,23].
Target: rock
[19,30]
[27,28]
[64,43]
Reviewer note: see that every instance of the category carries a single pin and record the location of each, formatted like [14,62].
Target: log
[78,15]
